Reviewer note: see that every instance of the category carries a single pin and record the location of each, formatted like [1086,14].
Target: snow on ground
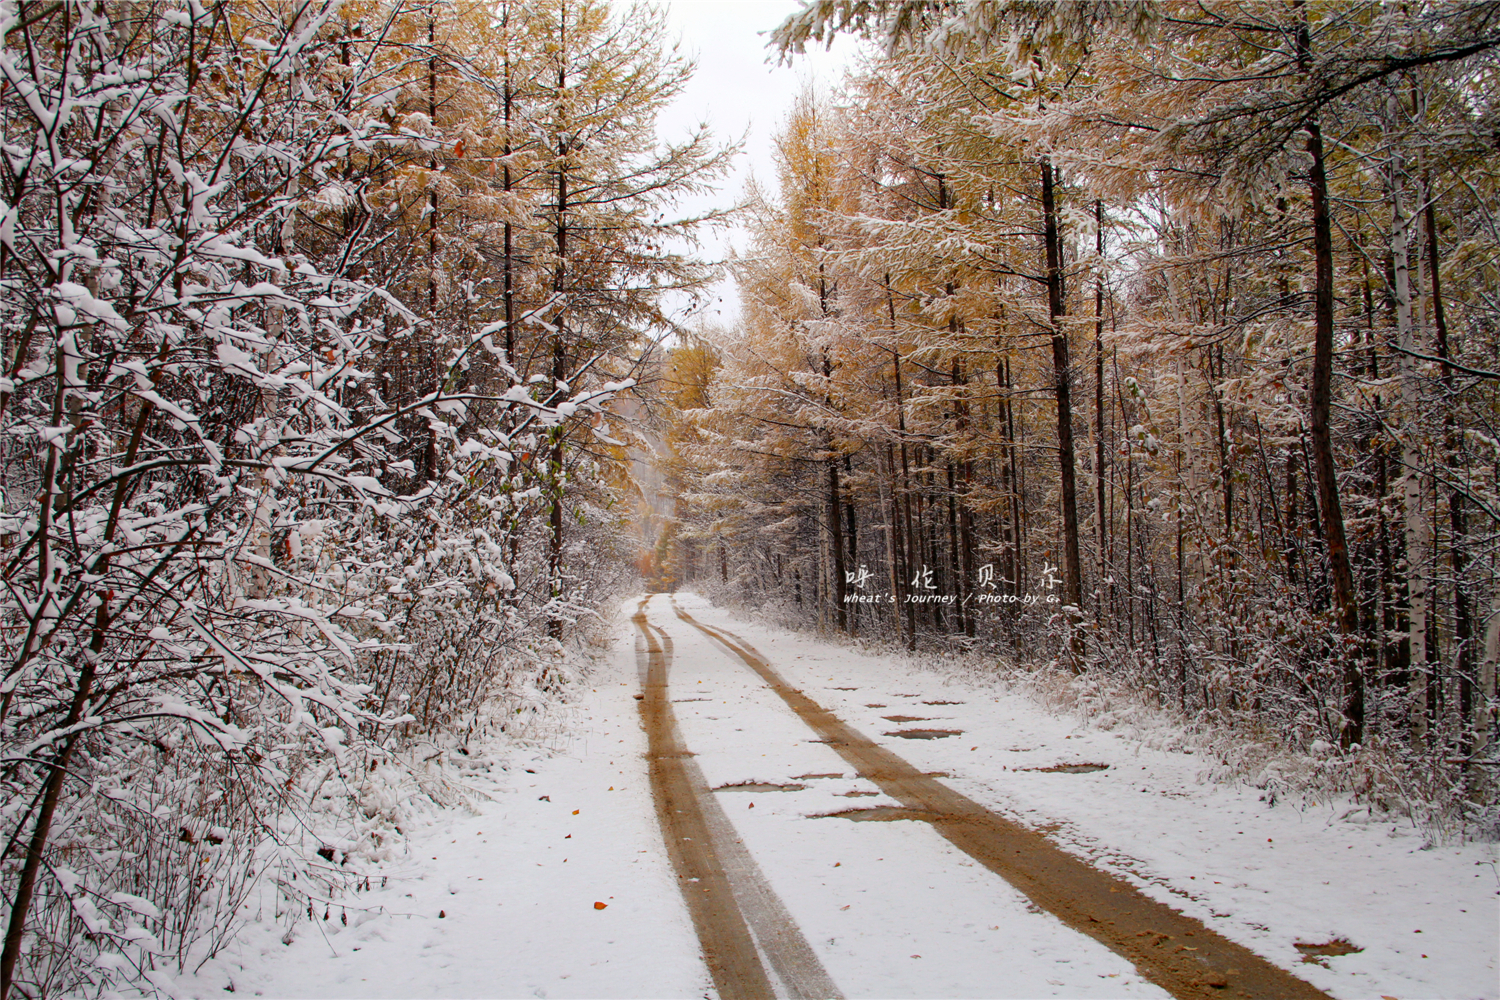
[501,903]
[891,908]
[1427,919]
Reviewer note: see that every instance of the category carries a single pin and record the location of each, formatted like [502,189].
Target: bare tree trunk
[1099,508]
[508,296]
[1226,479]
[851,535]
[26,886]
[1062,371]
[893,539]
[836,538]
[907,538]
[1320,411]
[15,931]
[1418,540]
[957,552]
[1463,622]
[555,476]
[429,452]
[270,398]
[1129,513]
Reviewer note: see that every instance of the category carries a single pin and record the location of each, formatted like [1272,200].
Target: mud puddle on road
[1313,954]
[926,734]
[1174,951]
[760,786]
[881,814]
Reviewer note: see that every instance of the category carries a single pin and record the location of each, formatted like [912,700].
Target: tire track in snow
[1181,955]
[738,918]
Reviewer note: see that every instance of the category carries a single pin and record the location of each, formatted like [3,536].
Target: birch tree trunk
[1418,537]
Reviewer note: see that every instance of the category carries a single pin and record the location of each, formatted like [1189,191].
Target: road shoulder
[501,902]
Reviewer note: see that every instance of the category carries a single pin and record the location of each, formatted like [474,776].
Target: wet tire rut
[742,926]
[1176,952]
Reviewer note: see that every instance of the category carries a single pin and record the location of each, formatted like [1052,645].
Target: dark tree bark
[905,549]
[851,535]
[1320,392]
[1463,622]
[1072,581]
[429,451]
[1099,509]
[559,354]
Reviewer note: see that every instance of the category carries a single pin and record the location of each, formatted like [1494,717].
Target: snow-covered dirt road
[1178,953]
[849,814]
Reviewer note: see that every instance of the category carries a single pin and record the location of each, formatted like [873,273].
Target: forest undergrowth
[1375,783]
[321,324]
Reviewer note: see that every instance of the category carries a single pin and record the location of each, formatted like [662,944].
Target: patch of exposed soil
[926,734]
[903,719]
[1313,954]
[876,704]
[942,703]
[882,814]
[810,777]
[1067,768]
[761,786]
[858,795]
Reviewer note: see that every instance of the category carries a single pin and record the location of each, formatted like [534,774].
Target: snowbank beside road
[1269,877]
[502,902]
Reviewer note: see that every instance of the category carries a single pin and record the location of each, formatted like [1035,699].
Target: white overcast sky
[740,89]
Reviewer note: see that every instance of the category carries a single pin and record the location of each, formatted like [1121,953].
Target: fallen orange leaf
[600,906]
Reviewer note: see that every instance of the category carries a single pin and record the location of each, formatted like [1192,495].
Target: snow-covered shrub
[279,510]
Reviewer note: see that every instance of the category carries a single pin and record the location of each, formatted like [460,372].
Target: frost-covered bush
[305,427]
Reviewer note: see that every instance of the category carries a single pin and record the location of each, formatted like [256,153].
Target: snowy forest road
[733,909]
[549,878]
